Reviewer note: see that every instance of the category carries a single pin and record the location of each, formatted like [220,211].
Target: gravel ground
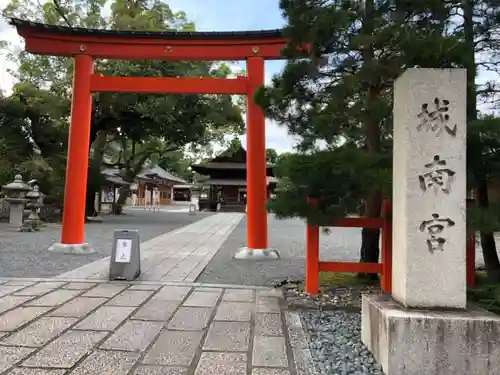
[335,341]
[288,237]
[26,255]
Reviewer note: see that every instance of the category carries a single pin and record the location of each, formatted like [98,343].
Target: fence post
[470,262]
[386,279]
[312,254]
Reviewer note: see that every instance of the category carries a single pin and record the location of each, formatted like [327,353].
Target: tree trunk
[118,206]
[488,245]
[94,173]
[370,237]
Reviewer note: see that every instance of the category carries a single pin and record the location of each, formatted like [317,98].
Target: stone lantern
[33,223]
[15,193]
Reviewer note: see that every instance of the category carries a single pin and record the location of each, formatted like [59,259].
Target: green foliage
[135,129]
[271,156]
[338,177]
[486,294]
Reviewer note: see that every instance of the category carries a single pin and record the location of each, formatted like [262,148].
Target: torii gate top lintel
[150,45]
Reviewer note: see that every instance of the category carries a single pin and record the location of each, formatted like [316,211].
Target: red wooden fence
[384,268]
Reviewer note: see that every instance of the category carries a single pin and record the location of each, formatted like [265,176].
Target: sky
[208,15]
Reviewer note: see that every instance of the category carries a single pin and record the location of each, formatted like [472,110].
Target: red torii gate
[84,45]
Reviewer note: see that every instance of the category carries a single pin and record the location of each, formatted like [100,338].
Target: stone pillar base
[79,249]
[430,342]
[256,254]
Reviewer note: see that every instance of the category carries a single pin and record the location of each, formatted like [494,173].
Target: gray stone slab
[269,351]
[172,293]
[235,311]
[66,350]
[105,290]
[40,288]
[11,355]
[270,371]
[176,348]
[8,289]
[106,363]
[208,289]
[270,293]
[160,370]
[304,363]
[35,371]
[222,363]
[239,295]
[156,310]
[268,305]
[130,298]
[9,302]
[134,335]
[295,331]
[228,336]
[268,324]
[18,317]
[54,298]
[79,286]
[39,332]
[191,318]
[20,282]
[145,287]
[105,318]
[78,307]
[202,299]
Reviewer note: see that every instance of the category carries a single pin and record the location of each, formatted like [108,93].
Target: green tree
[341,94]
[139,126]
[271,156]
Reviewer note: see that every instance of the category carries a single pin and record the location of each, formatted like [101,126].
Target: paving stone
[20,283]
[172,293]
[268,305]
[238,295]
[79,286]
[105,290]
[144,287]
[66,350]
[163,370]
[156,310]
[9,302]
[10,355]
[105,318]
[79,307]
[191,318]
[269,351]
[8,289]
[202,299]
[106,363]
[35,371]
[270,293]
[228,336]
[268,324]
[176,348]
[39,289]
[134,335]
[208,289]
[235,311]
[18,317]
[130,298]
[40,332]
[222,363]
[57,297]
[269,371]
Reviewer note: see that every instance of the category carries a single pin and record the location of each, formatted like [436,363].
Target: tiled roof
[213,35]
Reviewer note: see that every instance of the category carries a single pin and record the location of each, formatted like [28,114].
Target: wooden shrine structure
[227,183]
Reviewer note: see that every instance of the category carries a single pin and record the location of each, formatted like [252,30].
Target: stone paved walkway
[56,327]
[180,255]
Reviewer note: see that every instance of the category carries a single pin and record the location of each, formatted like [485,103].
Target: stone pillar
[425,327]
[429,188]
[15,193]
